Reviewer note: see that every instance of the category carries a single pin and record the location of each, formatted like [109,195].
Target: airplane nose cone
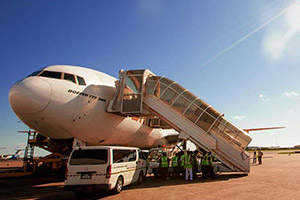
[30,95]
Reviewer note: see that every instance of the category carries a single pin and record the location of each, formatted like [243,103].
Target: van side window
[69,77]
[120,156]
[142,155]
[132,156]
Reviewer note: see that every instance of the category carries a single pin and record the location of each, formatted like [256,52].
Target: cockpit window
[69,77]
[34,73]
[50,74]
[80,80]
[58,75]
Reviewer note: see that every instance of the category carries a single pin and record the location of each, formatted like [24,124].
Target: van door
[132,166]
[125,161]
[88,166]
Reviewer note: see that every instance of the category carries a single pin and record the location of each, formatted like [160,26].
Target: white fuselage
[62,109]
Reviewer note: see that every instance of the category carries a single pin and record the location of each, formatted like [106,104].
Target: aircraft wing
[262,129]
[173,138]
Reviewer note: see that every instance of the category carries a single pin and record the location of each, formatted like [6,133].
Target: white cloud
[290,94]
[263,97]
[239,117]
[280,42]
[291,111]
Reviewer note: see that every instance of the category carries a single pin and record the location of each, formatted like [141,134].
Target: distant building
[252,148]
[274,147]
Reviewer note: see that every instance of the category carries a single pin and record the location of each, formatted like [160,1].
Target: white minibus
[104,167]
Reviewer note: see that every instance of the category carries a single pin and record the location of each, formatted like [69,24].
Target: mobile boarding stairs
[142,93]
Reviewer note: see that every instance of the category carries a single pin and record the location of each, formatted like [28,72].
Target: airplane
[64,102]
[12,156]
[1,156]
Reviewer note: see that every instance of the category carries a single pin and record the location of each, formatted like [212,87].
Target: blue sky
[242,57]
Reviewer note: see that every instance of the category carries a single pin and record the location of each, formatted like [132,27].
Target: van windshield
[89,157]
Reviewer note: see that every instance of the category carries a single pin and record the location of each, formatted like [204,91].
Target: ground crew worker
[188,166]
[156,157]
[195,162]
[205,166]
[260,155]
[164,164]
[211,168]
[175,165]
[182,163]
[254,157]
[148,164]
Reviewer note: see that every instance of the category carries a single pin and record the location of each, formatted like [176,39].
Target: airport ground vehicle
[104,167]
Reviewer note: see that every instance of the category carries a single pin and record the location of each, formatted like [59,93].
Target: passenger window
[50,74]
[132,156]
[69,77]
[80,80]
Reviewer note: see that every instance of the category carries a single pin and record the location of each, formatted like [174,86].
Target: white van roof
[104,147]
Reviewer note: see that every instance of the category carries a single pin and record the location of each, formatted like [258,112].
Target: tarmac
[11,163]
[277,178]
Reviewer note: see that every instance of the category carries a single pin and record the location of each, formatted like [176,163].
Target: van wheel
[141,178]
[119,185]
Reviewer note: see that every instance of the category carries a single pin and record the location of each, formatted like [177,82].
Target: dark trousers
[195,170]
[176,171]
[164,172]
[207,171]
[259,160]
[182,171]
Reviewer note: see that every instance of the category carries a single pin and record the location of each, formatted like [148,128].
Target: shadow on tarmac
[152,182]
[48,188]
[41,188]
[71,195]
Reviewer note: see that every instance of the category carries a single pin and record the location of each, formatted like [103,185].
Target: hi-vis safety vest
[182,160]
[210,160]
[175,161]
[205,161]
[164,161]
[188,163]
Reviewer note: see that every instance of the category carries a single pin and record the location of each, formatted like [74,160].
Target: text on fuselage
[90,96]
